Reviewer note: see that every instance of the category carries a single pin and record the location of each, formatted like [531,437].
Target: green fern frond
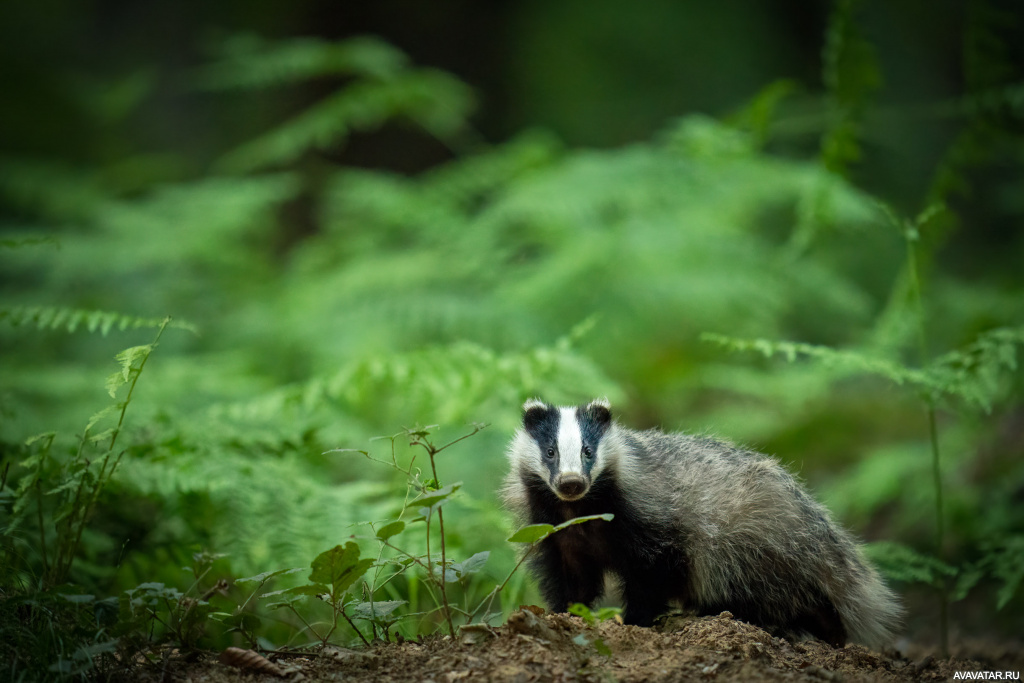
[976,372]
[973,374]
[22,242]
[436,101]
[827,357]
[903,563]
[71,319]
[249,62]
[450,384]
[705,138]
[438,206]
[465,179]
[756,116]
[851,74]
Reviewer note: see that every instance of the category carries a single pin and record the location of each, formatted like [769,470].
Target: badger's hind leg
[819,620]
[822,621]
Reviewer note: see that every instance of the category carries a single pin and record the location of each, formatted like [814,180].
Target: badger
[697,522]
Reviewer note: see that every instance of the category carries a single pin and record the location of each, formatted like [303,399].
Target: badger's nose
[571,486]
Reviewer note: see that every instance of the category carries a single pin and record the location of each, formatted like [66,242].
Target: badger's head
[564,446]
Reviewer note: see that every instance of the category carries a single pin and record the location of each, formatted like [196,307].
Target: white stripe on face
[570,442]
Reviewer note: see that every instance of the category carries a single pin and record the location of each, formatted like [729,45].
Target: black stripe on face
[594,420]
[541,423]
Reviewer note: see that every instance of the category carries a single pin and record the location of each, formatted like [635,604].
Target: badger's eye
[551,452]
[587,452]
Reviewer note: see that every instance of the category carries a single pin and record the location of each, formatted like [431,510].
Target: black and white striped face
[568,443]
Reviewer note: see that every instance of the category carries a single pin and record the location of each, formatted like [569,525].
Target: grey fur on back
[750,530]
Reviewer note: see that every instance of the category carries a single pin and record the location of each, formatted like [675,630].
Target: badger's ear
[600,411]
[534,412]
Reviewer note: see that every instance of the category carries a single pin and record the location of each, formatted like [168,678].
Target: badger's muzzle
[570,486]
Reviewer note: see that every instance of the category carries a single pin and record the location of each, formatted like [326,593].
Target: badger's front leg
[567,578]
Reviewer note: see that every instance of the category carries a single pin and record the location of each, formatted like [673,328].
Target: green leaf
[471,565]
[127,359]
[531,533]
[607,517]
[339,568]
[606,613]
[376,611]
[106,412]
[241,621]
[601,648]
[434,499]
[535,533]
[310,589]
[265,576]
[47,436]
[390,529]
[456,571]
[582,611]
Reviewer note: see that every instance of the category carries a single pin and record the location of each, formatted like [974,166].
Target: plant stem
[309,626]
[497,589]
[444,561]
[911,234]
[940,530]
[358,632]
[42,526]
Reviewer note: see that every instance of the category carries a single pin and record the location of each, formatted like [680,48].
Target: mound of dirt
[559,647]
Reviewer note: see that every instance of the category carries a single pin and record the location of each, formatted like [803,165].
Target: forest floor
[559,647]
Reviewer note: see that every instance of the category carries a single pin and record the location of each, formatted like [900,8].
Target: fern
[449,385]
[434,100]
[54,318]
[977,372]
[902,563]
[757,114]
[1003,560]
[27,242]
[384,88]
[974,374]
[831,359]
[851,74]
[248,61]
[72,484]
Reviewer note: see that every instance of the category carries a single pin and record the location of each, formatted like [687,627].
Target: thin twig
[358,632]
[497,589]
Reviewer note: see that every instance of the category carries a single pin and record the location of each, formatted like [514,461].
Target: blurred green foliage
[319,304]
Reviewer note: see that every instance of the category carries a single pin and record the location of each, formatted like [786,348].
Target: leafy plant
[383,87]
[334,573]
[58,493]
[424,499]
[75,484]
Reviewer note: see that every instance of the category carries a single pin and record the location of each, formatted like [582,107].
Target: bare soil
[559,647]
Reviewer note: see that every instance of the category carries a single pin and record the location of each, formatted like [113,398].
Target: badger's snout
[570,486]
